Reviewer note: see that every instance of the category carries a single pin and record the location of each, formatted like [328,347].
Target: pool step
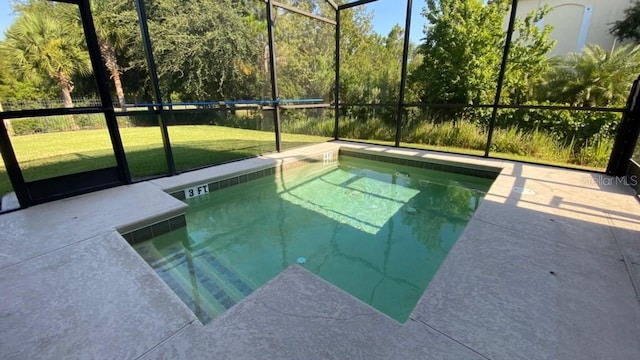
[203,282]
[173,268]
[228,278]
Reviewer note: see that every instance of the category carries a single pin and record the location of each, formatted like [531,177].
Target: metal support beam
[302,12]
[627,135]
[155,84]
[20,114]
[403,75]
[307,106]
[354,4]
[102,81]
[333,4]
[274,75]
[336,96]
[503,69]
[12,166]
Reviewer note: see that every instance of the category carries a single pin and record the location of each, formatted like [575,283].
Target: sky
[5,16]
[387,13]
[390,12]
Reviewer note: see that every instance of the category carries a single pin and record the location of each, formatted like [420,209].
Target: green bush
[245,119]
[137,119]
[565,125]
[90,121]
[25,126]
[59,123]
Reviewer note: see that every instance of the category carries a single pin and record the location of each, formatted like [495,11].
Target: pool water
[378,231]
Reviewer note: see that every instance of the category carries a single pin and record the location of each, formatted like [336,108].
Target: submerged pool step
[204,288]
[188,293]
[174,270]
[231,280]
[203,282]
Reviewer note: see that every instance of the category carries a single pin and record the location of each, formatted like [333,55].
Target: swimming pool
[378,231]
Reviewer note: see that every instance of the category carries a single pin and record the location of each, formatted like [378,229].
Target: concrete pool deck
[544,273]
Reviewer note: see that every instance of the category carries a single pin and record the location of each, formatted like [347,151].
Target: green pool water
[378,231]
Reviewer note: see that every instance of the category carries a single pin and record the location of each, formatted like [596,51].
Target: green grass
[55,154]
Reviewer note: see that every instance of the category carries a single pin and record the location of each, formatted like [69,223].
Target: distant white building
[579,22]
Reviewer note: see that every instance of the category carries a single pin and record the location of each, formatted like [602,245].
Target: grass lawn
[55,154]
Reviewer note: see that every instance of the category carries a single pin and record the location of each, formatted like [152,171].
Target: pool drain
[302,260]
[411,210]
[523,191]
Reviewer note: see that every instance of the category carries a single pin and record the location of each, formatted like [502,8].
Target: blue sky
[387,13]
[390,12]
[5,16]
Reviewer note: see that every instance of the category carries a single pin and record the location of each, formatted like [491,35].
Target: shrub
[595,153]
[43,125]
[564,125]
[463,134]
[90,121]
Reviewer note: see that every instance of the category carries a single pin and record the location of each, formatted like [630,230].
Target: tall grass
[595,153]
[464,135]
[532,145]
[535,144]
[370,129]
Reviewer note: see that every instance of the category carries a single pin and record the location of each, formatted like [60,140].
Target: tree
[203,49]
[594,77]
[255,18]
[629,27]
[528,59]
[305,53]
[117,29]
[13,88]
[39,44]
[463,49]
[370,64]
[360,45]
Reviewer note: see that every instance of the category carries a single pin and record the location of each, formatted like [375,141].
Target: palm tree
[39,44]
[595,77]
[116,27]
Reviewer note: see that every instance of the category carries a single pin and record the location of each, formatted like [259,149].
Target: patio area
[548,268]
